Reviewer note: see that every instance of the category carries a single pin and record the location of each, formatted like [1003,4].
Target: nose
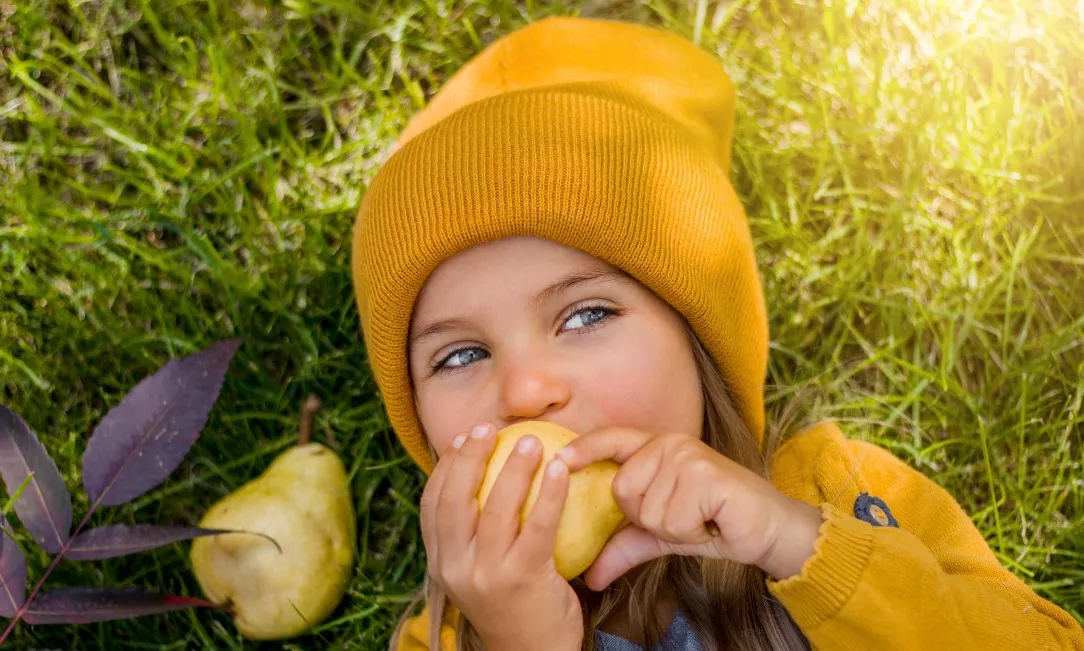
[530,388]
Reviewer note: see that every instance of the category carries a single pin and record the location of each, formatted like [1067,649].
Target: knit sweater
[897,563]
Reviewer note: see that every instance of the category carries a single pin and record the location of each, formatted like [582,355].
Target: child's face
[507,357]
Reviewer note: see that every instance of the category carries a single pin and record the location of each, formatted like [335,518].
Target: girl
[556,238]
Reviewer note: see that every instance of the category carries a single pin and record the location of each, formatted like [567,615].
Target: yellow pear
[302,502]
[591,514]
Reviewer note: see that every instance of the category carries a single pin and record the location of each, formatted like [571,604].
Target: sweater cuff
[829,577]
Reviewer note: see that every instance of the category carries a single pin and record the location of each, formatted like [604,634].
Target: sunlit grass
[180,172]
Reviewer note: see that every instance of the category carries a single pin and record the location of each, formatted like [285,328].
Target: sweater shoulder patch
[873,510]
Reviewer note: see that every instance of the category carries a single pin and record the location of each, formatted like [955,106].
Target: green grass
[178,172]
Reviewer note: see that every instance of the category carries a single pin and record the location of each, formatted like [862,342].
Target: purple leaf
[118,540]
[12,573]
[84,605]
[144,438]
[45,507]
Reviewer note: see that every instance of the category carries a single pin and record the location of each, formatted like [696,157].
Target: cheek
[443,417]
[653,387]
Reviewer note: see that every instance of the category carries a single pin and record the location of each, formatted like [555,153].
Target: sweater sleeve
[415,633]
[898,564]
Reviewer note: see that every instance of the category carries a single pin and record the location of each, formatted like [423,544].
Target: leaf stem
[49,570]
[56,561]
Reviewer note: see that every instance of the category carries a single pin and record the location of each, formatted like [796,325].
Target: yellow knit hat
[607,137]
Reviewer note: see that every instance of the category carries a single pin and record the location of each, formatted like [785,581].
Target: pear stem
[308,410]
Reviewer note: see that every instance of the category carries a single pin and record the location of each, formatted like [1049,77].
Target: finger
[499,521]
[457,502]
[615,443]
[633,481]
[685,519]
[538,537]
[629,547]
[427,509]
[654,507]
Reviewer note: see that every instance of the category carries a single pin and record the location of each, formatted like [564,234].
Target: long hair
[726,603]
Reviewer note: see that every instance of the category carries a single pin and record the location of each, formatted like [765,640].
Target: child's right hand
[501,577]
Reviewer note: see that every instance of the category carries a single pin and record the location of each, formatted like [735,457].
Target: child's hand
[673,487]
[502,578]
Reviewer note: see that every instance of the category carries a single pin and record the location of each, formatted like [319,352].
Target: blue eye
[590,317]
[443,364]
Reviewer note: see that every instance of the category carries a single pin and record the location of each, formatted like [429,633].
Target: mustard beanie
[604,136]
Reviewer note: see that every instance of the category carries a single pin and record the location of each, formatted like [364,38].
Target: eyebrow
[540,299]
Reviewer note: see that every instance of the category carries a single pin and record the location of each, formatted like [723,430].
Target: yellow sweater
[898,564]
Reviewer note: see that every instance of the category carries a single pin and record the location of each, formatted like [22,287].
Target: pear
[591,514]
[302,502]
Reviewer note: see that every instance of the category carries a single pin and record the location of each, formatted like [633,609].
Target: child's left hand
[673,486]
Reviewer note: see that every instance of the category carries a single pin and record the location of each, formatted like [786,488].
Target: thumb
[628,548]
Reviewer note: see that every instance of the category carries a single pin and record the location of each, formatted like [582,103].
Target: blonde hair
[726,603]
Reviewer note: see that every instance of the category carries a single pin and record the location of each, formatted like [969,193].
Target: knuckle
[701,467]
[684,445]
[428,501]
[674,439]
[619,482]
[441,575]
[443,502]
[686,448]
[531,526]
[435,569]
[619,490]
[623,485]
[537,524]
[455,577]
[488,582]
[653,521]
[486,513]
[672,525]
[493,516]
[479,583]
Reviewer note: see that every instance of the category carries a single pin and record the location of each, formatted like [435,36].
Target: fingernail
[564,454]
[555,468]
[527,444]
[479,431]
[458,441]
